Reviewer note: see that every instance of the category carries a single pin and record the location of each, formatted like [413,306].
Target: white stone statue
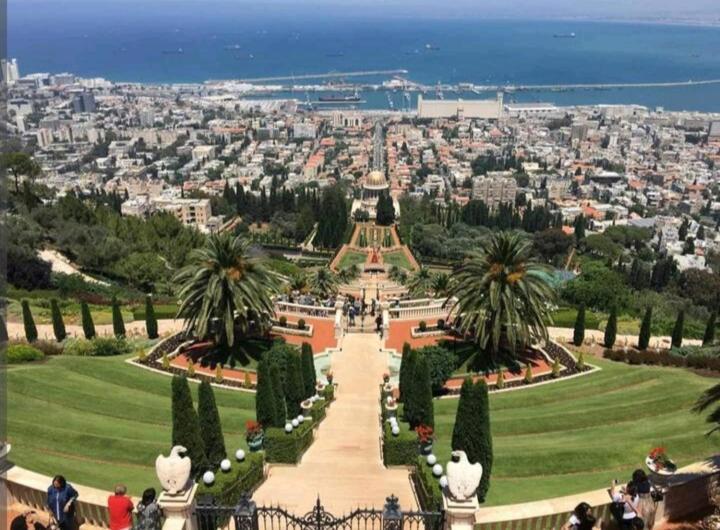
[463,478]
[173,471]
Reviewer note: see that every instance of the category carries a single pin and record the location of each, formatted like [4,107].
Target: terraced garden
[99,420]
[578,435]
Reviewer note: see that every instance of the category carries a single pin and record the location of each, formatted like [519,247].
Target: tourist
[351,314]
[26,521]
[120,508]
[646,506]
[625,506]
[61,498]
[148,511]
[378,323]
[581,518]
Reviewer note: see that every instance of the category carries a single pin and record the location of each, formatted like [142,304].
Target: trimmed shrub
[581,361]
[79,347]
[279,395]
[57,321]
[440,323]
[97,347]
[23,353]
[556,368]
[709,335]
[49,348]
[427,486]
[247,382]
[406,368]
[677,334]
[579,330]
[441,363]
[644,336]
[419,406]
[611,329]
[186,425]
[219,373]
[282,320]
[243,477]
[87,321]
[266,410]
[294,386]
[284,448]
[528,374]
[318,410]
[117,319]
[151,326]
[308,370]
[301,324]
[210,426]
[191,369]
[165,361]
[422,325]
[400,450]
[329,393]
[31,333]
[472,433]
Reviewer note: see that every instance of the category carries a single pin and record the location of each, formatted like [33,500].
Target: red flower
[424,433]
[252,428]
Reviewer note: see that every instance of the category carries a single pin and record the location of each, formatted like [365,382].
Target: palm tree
[503,295]
[223,289]
[323,282]
[708,399]
[298,282]
[421,283]
[440,284]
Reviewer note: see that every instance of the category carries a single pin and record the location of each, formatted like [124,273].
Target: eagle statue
[173,471]
[463,478]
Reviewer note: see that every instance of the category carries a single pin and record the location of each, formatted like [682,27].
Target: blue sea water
[129,42]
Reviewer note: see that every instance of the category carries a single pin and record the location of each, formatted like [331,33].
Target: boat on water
[173,52]
[564,35]
[340,98]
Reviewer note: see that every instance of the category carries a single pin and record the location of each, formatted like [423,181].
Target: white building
[10,71]
[494,191]
[487,109]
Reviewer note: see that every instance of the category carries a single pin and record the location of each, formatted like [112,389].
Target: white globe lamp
[437,470]
[208,478]
[225,465]
[239,455]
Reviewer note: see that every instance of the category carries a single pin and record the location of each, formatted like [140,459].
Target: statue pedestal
[178,509]
[460,515]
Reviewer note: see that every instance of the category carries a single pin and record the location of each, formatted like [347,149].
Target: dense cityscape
[353,297]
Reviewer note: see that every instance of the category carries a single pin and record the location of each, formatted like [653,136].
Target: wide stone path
[344,464]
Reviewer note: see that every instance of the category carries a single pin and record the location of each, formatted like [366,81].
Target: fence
[300,309]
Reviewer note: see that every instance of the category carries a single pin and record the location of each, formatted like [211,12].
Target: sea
[161,41]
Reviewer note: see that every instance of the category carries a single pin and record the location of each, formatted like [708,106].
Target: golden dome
[375,179]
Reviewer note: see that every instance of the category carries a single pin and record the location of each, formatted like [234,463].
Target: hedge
[427,487]
[243,477]
[23,353]
[318,410]
[400,450]
[97,347]
[329,393]
[680,358]
[284,448]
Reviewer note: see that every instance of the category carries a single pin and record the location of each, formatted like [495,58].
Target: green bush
[318,410]
[400,450]
[284,448]
[329,393]
[49,348]
[422,326]
[243,477]
[301,324]
[428,489]
[97,347]
[23,353]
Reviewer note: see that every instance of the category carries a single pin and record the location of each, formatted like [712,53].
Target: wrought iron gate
[248,516]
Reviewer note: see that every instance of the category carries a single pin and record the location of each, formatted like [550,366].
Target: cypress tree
[117,319]
[308,369]
[611,329]
[278,395]
[677,334]
[186,426]
[57,321]
[709,336]
[266,410]
[644,337]
[31,333]
[151,325]
[472,430]
[420,402]
[406,368]
[210,426]
[87,321]
[293,385]
[579,331]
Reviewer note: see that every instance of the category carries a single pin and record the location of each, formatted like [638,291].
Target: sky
[619,9]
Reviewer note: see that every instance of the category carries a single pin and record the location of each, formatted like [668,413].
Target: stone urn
[391,407]
[306,407]
[320,387]
[256,443]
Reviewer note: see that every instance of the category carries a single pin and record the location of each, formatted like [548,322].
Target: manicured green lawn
[396,258]
[578,435]
[350,258]
[100,421]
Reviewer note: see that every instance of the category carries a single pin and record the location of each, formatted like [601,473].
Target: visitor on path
[581,518]
[120,508]
[625,507]
[378,323]
[148,511]
[351,314]
[61,498]
[26,521]
[646,504]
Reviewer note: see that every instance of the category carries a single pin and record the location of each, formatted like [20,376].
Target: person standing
[61,498]
[646,505]
[148,511]
[120,508]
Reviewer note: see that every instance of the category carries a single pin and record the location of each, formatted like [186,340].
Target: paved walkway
[344,464]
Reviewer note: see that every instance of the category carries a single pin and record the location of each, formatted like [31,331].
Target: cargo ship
[340,98]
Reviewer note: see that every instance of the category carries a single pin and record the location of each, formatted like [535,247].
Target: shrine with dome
[373,187]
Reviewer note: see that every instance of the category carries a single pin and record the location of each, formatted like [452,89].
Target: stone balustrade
[432,309]
[309,310]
